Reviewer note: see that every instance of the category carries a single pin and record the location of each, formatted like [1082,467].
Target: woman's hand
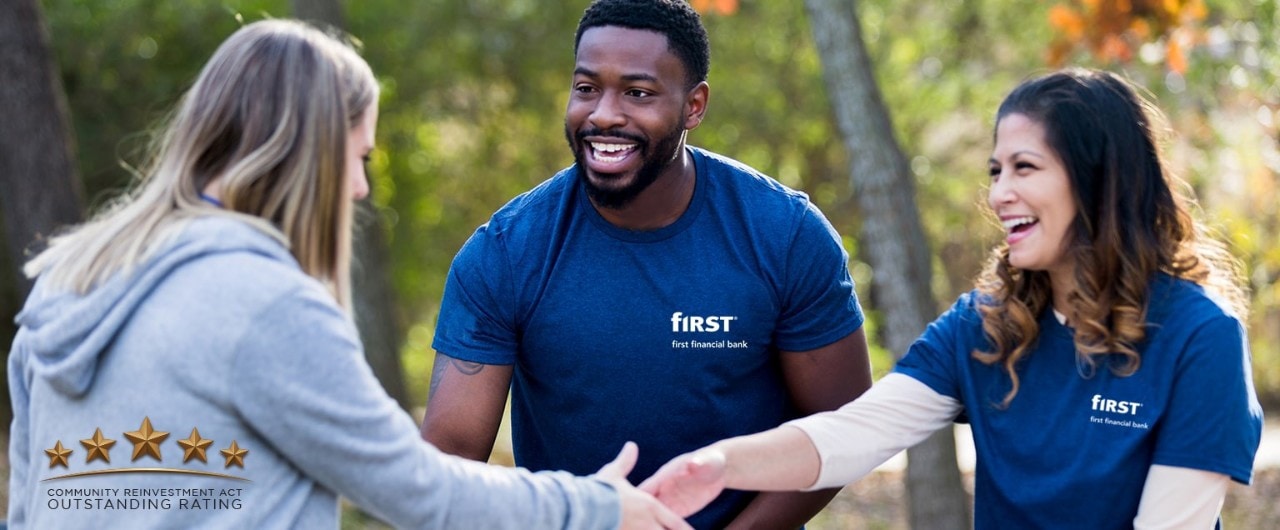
[688,482]
[640,510]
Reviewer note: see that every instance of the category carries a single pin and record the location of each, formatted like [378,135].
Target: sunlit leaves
[720,7]
[474,92]
[1112,31]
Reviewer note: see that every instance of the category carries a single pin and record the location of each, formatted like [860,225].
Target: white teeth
[1014,222]
[610,148]
[601,151]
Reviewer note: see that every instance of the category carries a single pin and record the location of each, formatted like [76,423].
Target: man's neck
[662,203]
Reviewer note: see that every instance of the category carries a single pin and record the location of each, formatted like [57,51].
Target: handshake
[678,489]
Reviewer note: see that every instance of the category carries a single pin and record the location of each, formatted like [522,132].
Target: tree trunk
[37,169]
[379,322]
[39,190]
[892,241]
[381,328]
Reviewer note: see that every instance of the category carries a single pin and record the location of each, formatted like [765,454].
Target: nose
[608,112]
[359,186]
[1001,191]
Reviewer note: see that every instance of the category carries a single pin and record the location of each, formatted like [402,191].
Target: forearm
[895,414]
[361,445]
[777,509]
[781,459]
[1179,497]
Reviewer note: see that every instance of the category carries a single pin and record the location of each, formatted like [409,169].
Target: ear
[696,105]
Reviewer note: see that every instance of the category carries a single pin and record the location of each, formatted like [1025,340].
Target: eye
[638,93]
[583,89]
[994,171]
[1024,167]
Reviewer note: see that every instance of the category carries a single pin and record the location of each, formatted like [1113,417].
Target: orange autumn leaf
[727,7]
[1195,10]
[1115,48]
[720,7]
[1057,54]
[1174,57]
[1113,30]
[1140,28]
[1067,20]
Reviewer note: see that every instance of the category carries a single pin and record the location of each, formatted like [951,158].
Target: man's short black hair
[673,18]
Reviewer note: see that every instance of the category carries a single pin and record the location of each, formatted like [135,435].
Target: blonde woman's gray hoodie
[218,386]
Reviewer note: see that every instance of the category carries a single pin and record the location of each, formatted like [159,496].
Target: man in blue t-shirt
[652,292]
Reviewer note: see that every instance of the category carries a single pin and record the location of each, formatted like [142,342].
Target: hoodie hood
[63,334]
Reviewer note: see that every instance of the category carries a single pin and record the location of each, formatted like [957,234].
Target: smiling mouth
[610,152]
[1016,225]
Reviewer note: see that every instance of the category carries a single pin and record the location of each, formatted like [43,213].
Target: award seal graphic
[146,443]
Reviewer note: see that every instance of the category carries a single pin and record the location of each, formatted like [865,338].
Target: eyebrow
[581,70]
[993,159]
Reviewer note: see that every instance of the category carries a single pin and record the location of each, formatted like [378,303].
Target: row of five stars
[146,441]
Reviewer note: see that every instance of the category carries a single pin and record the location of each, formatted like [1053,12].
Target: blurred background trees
[474,93]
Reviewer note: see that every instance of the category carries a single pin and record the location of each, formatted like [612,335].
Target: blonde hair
[268,117]
[1133,222]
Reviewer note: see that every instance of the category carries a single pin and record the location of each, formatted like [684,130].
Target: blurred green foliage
[474,92]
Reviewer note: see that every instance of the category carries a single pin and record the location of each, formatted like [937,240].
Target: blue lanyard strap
[211,200]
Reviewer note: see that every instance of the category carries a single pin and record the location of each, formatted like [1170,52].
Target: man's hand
[688,482]
[640,511]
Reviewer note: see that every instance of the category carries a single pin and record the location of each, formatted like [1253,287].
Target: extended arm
[464,406]
[302,383]
[817,381]
[1180,497]
[825,450]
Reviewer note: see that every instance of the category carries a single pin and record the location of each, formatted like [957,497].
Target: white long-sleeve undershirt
[900,411]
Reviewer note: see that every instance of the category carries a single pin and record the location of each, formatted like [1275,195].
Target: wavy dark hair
[686,37]
[1132,223]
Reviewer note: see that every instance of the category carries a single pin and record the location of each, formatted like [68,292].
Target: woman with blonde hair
[1101,361]
[187,357]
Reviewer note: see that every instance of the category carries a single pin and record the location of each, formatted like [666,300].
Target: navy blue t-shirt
[669,338]
[1072,450]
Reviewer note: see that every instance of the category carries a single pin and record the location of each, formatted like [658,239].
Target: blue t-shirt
[1073,450]
[666,337]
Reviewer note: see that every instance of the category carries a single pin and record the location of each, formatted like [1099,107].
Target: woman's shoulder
[219,256]
[967,305]
[1185,303]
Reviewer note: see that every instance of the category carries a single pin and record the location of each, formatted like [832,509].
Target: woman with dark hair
[1101,360]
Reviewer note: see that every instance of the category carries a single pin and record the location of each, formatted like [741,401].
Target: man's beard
[655,160]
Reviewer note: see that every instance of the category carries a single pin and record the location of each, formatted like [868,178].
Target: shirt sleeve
[819,303]
[478,321]
[301,381]
[19,444]
[933,359]
[1178,497]
[896,413]
[1213,421]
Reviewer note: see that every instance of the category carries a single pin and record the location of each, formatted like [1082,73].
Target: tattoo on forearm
[441,366]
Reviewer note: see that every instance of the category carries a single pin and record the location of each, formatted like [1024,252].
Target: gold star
[58,455]
[98,447]
[235,455]
[194,446]
[146,440]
